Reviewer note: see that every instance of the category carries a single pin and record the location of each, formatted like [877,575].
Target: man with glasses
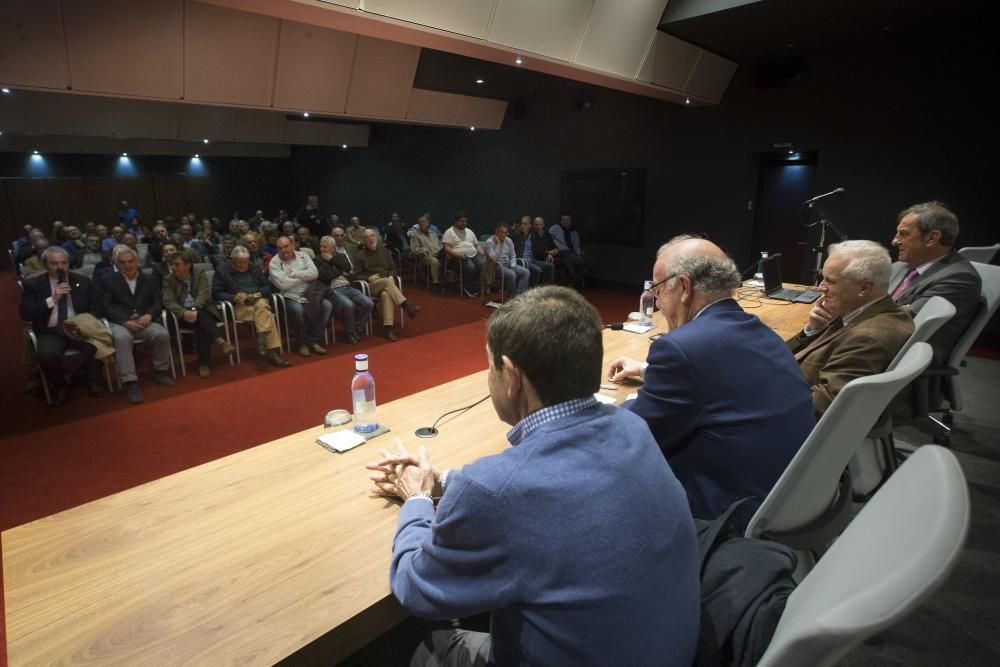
[722,393]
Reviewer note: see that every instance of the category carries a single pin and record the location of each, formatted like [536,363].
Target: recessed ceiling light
[5,90]
[1,133]
[204,141]
[305,114]
[343,145]
[518,61]
[34,152]
[480,81]
[473,128]
[687,100]
[124,154]
[197,156]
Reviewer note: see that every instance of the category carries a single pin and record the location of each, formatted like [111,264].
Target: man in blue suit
[722,394]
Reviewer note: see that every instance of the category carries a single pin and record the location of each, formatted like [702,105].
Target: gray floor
[960,625]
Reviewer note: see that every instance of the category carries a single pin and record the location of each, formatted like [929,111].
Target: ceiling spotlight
[1,133]
[197,156]
[5,90]
[305,114]
[124,154]
[473,128]
[343,146]
[480,81]
[518,61]
[687,100]
[791,152]
[204,141]
[34,152]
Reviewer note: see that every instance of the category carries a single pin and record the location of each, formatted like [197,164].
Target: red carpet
[57,458]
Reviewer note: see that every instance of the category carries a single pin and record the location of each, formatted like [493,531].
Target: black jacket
[37,290]
[329,271]
[119,304]
[224,287]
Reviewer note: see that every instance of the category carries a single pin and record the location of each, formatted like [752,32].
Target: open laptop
[773,289]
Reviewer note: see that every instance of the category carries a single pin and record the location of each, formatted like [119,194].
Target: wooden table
[276,551]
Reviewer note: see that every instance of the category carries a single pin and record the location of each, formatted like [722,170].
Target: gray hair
[53,250]
[121,249]
[239,252]
[933,215]
[866,260]
[711,276]
[328,239]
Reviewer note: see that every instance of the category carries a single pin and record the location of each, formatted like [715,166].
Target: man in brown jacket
[855,329]
[375,265]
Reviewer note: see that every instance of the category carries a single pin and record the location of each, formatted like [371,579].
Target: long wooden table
[276,551]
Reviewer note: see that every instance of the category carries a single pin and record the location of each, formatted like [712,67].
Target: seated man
[416,228]
[47,301]
[462,243]
[35,265]
[74,245]
[929,266]
[500,249]
[540,251]
[855,329]
[252,242]
[310,217]
[395,238]
[116,237]
[567,241]
[356,232]
[374,264]
[26,246]
[91,255]
[353,307]
[566,582]
[131,301]
[250,293]
[306,242]
[518,236]
[294,274]
[722,395]
[426,247]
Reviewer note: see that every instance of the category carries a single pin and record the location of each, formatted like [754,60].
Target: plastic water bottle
[363,396]
[647,302]
[760,266]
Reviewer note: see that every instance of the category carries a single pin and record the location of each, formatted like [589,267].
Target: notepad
[341,441]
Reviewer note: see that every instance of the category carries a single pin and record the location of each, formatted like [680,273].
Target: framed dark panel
[607,205]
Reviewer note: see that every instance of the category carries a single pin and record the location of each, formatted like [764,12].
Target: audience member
[91,255]
[270,247]
[288,229]
[356,233]
[47,301]
[35,265]
[27,249]
[128,217]
[855,329]
[500,249]
[518,236]
[353,307]
[333,221]
[294,274]
[187,295]
[74,245]
[305,242]
[426,248]
[187,235]
[250,293]
[571,256]
[374,264]
[462,243]
[540,251]
[566,582]
[117,234]
[252,242]
[412,231]
[727,429]
[154,251]
[132,302]
[394,237]
[255,221]
[310,217]
[929,266]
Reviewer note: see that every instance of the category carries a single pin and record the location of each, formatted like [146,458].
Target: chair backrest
[893,556]
[931,317]
[982,253]
[989,298]
[204,266]
[809,484]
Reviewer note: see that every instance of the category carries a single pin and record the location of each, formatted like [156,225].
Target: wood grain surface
[251,557]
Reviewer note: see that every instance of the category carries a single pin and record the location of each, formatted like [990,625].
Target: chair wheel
[942,440]
[948,418]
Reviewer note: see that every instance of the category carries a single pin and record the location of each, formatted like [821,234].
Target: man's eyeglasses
[656,288]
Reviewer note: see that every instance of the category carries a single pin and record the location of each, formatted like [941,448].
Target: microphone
[61,276]
[810,202]
[615,326]
[431,431]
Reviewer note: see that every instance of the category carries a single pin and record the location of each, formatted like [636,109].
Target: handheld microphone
[431,431]
[810,202]
[61,276]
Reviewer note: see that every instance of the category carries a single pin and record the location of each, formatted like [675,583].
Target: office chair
[983,254]
[810,503]
[894,555]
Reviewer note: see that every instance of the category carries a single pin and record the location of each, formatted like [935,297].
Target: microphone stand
[820,249]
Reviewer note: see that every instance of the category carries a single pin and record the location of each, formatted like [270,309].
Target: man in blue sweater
[722,394]
[577,539]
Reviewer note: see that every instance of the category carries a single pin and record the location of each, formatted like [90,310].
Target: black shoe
[262,345]
[410,309]
[276,361]
[132,392]
[352,338]
[163,378]
[390,333]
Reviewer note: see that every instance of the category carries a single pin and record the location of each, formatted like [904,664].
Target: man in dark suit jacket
[131,301]
[929,266]
[855,330]
[722,395]
[47,301]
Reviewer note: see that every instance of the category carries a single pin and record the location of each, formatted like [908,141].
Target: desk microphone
[810,202]
[615,326]
[431,431]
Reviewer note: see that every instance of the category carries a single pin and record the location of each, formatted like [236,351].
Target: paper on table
[341,441]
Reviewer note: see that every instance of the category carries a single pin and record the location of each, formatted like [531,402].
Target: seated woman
[188,296]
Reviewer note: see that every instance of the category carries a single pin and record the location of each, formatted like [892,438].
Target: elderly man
[131,300]
[462,243]
[929,266]
[722,395]
[250,293]
[375,265]
[294,274]
[567,241]
[306,243]
[353,307]
[540,251]
[117,234]
[855,329]
[91,255]
[567,582]
[500,249]
[426,247]
[35,265]
[47,301]
[356,232]
[310,217]
[155,247]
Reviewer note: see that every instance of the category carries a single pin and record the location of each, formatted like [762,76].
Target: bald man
[722,393]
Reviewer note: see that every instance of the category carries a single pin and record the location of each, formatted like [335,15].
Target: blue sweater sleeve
[668,398]
[453,563]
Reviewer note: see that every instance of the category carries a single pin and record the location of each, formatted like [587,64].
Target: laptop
[773,289]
